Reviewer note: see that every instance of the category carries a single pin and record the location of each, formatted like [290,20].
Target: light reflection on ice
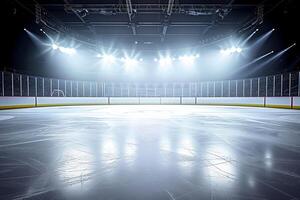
[220,165]
[76,167]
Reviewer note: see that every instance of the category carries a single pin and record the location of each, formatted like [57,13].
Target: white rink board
[188,100]
[71,100]
[17,101]
[170,100]
[296,101]
[124,100]
[278,101]
[231,100]
[150,100]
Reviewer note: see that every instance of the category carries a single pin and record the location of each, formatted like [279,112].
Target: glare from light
[187,60]
[108,59]
[164,62]
[231,50]
[141,59]
[129,63]
[54,46]
[69,51]
[155,60]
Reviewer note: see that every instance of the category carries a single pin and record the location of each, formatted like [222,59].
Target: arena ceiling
[159,24]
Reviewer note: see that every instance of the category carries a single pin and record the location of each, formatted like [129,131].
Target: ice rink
[150,152]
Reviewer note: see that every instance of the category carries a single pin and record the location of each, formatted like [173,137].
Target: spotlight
[165,61]
[129,62]
[141,59]
[231,50]
[54,46]
[155,60]
[41,30]
[69,51]
[187,60]
[25,29]
[108,59]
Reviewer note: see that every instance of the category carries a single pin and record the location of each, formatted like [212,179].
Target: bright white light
[129,62]
[155,60]
[187,60]
[141,59]
[167,61]
[69,51]
[54,46]
[108,59]
[231,50]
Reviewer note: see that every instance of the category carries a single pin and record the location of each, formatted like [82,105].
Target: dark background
[20,54]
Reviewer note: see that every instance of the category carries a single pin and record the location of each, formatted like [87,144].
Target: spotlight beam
[273,58]
[254,61]
[248,38]
[262,39]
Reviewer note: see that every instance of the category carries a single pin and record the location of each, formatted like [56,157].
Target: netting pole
[77,88]
[35,84]
[181,89]
[113,89]
[258,87]
[90,85]
[96,85]
[58,87]
[236,88]
[290,83]
[146,88]
[65,88]
[71,88]
[201,93]
[229,89]
[51,87]
[173,89]
[251,87]
[214,89]
[2,83]
[104,89]
[266,86]
[243,88]
[121,89]
[190,90]
[27,85]
[12,84]
[281,85]
[222,90]
[21,87]
[207,89]
[274,85]
[83,88]
[43,82]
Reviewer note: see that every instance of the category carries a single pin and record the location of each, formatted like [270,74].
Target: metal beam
[130,16]
[91,28]
[167,19]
